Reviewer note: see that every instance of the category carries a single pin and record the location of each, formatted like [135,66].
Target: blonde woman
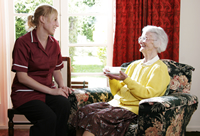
[36,59]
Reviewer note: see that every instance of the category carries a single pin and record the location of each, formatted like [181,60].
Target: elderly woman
[143,79]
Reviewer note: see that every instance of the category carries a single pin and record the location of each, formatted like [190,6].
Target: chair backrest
[67,70]
[67,79]
[181,76]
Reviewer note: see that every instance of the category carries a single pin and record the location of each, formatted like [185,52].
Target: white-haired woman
[143,79]
[36,59]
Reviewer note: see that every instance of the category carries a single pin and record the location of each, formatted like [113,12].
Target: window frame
[65,44]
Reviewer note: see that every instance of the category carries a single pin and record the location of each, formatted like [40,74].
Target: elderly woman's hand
[121,76]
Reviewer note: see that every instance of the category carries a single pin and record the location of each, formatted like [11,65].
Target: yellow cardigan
[143,82]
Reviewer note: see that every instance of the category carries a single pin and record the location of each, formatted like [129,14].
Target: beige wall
[3,76]
[189,49]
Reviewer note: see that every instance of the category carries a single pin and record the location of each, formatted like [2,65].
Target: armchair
[166,115]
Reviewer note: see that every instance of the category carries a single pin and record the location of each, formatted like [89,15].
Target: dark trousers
[49,118]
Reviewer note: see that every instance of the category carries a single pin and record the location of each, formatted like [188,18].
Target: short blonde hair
[41,10]
[161,40]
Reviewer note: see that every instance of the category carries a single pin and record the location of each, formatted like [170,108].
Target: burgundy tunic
[39,63]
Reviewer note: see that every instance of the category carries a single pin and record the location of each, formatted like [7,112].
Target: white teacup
[114,70]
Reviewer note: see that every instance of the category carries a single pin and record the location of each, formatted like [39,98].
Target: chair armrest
[162,114]
[86,96]
[168,102]
[92,95]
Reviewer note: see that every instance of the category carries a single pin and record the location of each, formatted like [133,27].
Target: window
[85,34]
[87,37]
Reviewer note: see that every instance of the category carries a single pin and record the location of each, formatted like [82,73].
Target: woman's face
[51,23]
[146,42]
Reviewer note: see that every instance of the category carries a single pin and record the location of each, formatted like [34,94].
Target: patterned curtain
[133,15]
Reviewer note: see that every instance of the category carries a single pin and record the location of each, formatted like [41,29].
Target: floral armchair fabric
[158,116]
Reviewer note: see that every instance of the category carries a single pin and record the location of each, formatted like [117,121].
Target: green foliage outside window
[102,55]
[88,28]
[90,3]
[20,27]
[25,6]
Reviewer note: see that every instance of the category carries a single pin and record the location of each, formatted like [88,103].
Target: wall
[189,49]
[3,76]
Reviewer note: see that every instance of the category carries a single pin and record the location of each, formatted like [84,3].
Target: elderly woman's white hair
[161,38]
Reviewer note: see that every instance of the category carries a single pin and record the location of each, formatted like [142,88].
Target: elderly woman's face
[146,42]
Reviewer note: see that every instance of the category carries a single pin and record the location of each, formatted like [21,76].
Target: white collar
[150,62]
[32,37]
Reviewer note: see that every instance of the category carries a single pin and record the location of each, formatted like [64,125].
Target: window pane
[87,29]
[20,26]
[93,81]
[88,59]
[87,6]
[28,6]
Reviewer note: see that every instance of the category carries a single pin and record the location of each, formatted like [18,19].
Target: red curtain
[133,15]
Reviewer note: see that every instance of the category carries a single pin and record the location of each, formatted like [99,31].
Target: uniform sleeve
[59,64]
[20,56]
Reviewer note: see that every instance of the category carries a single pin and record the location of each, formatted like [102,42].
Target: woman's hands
[67,90]
[64,91]
[122,76]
